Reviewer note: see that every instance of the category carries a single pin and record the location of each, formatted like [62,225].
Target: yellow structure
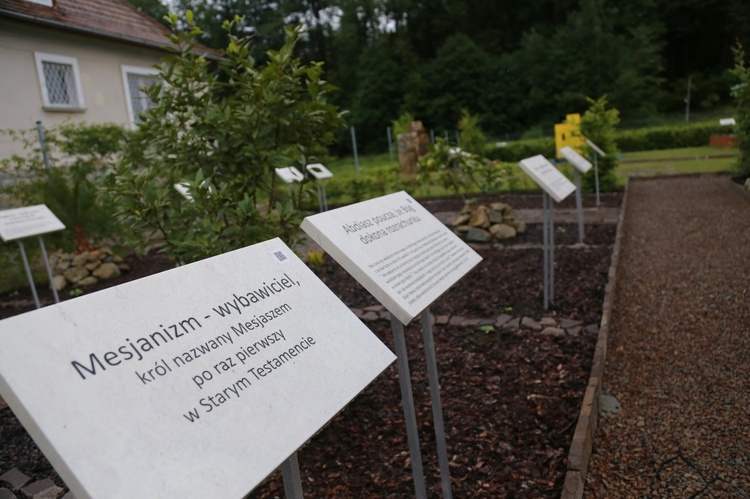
[568,133]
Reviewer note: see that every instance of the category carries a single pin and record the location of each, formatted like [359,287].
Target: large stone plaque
[193,383]
[396,249]
[547,177]
[19,223]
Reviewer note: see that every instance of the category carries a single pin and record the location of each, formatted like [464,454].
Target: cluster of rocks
[15,485]
[85,269]
[483,223]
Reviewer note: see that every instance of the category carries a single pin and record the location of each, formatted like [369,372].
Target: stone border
[588,419]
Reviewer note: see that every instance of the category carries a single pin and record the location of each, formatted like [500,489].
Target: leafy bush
[221,132]
[517,150]
[458,170]
[80,155]
[669,137]
[598,125]
[473,139]
[741,94]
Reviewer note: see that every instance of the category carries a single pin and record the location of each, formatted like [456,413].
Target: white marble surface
[193,383]
[396,249]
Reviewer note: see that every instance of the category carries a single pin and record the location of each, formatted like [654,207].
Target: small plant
[598,125]
[316,259]
[487,328]
[458,170]
[75,292]
[560,230]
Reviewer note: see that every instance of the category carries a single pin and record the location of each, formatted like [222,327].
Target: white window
[135,80]
[60,82]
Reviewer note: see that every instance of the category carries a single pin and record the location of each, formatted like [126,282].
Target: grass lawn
[675,161]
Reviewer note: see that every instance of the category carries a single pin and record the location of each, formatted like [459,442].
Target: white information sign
[193,383]
[579,162]
[547,177]
[18,223]
[290,174]
[595,148]
[396,249]
[319,171]
[727,121]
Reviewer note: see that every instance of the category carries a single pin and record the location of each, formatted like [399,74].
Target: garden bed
[511,394]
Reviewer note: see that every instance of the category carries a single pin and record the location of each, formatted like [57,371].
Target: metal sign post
[291,476]
[321,173]
[601,153]
[289,175]
[579,203]
[19,223]
[437,407]
[407,400]
[548,229]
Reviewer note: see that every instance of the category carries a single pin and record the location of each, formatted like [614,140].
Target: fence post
[390,143]
[354,147]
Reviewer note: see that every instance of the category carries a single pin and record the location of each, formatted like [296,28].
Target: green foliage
[473,139]
[668,137]
[517,150]
[741,94]
[402,124]
[221,132]
[80,155]
[316,258]
[598,125]
[460,171]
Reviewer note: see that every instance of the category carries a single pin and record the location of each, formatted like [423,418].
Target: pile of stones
[85,269]
[483,223]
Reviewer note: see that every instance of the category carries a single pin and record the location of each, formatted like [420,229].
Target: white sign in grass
[196,382]
[579,162]
[19,223]
[290,174]
[319,171]
[727,121]
[396,249]
[547,177]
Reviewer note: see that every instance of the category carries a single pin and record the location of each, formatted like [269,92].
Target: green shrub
[741,94]
[459,171]
[669,137]
[598,125]
[473,139]
[222,132]
[81,155]
[517,150]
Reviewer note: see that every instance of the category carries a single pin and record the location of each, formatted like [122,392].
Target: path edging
[588,418]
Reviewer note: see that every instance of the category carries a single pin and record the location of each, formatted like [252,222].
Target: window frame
[41,58]
[127,70]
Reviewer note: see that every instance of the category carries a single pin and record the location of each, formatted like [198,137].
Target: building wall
[100,65]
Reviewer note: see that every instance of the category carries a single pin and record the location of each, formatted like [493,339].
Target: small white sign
[727,121]
[290,174]
[547,177]
[193,383]
[578,161]
[319,171]
[595,148]
[396,249]
[18,223]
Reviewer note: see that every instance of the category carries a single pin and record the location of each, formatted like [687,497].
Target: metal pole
[458,139]
[545,248]
[354,147]
[579,203]
[551,250]
[596,177]
[43,142]
[407,400]
[49,270]
[432,136]
[437,407]
[687,103]
[325,199]
[290,475]
[28,274]
[390,143]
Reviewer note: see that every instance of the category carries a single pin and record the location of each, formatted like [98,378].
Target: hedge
[641,139]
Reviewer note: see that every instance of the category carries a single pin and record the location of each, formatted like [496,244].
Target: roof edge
[208,53]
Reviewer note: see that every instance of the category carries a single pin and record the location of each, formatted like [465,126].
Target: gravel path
[678,357]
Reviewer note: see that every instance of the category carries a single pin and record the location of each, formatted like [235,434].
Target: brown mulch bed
[510,396]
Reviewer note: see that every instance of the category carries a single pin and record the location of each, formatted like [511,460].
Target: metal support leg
[410,415]
[545,247]
[28,274]
[320,197]
[596,179]
[49,270]
[579,204]
[437,408]
[551,203]
[291,477]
